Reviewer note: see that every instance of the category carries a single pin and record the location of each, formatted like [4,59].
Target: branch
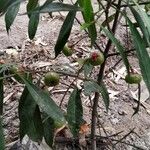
[100,77]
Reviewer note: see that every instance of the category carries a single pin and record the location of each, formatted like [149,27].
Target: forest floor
[37,55]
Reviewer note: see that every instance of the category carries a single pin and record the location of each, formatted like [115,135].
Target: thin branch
[100,77]
[117,53]
[124,137]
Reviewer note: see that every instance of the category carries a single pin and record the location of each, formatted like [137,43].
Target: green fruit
[51,79]
[133,78]
[67,51]
[59,124]
[17,73]
[13,70]
[96,58]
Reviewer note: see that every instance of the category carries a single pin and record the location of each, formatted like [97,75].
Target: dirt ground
[37,55]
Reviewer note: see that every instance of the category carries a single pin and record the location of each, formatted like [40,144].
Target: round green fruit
[14,70]
[133,78]
[96,58]
[51,79]
[67,51]
[17,72]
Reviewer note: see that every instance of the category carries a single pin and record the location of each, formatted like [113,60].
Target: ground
[37,55]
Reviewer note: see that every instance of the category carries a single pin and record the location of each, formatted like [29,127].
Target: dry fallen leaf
[2,61]
[84,128]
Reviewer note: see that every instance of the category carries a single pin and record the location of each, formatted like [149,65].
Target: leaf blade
[75,111]
[88,15]
[46,103]
[91,86]
[11,15]
[30,118]
[64,32]
[33,25]
[119,47]
[55,6]
[49,129]
[142,54]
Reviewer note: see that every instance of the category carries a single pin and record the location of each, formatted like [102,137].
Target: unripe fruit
[67,51]
[51,79]
[96,58]
[17,73]
[13,69]
[133,78]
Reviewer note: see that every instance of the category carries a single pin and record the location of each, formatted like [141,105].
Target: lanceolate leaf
[75,112]
[142,24]
[64,32]
[54,7]
[142,54]
[30,117]
[87,67]
[11,15]
[34,18]
[144,17]
[49,129]
[46,103]
[109,19]
[32,4]
[119,47]
[33,24]
[1,94]
[91,86]
[88,16]
[2,143]
[6,4]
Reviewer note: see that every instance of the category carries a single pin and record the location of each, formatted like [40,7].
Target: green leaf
[119,47]
[143,22]
[33,24]
[147,7]
[91,86]
[1,94]
[142,54]
[6,4]
[46,103]
[109,19]
[85,25]
[75,112]
[87,67]
[64,32]
[55,7]
[31,5]
[2,141]
[30,117]
[11,15]
[34,18]
[49,129]
[88,16]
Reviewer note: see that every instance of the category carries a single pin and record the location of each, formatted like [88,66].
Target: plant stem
[100,77]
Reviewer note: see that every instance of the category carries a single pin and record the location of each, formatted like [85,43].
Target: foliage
[39,115]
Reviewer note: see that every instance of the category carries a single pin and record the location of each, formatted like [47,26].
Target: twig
[124,137]
[99,139]
[100,77]
[127,5]
[76,77]
[117,53]
[66,93]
